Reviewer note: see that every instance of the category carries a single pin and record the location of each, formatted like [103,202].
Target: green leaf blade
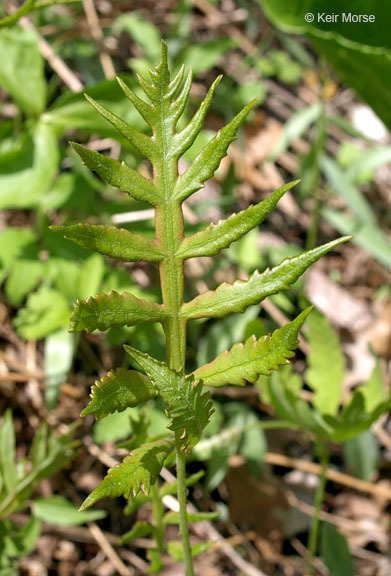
[185,139]
[108,310]
[218,236]
[140,141]
[119,175]
[138,471]
[112,241]
[326,364]
[236,297]
[246,362]
[188,407]
[119,390]
[208,160]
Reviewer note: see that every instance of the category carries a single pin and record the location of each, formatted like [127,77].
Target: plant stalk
[319,496]
[169,227]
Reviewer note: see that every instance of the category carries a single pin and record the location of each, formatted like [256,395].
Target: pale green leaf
[228,298]
[22,68]
[245,362]
[297,124]
[24,276]
[208,160]
[138,471]
[362,454]
[142,32]
[91,275]
[106,311]
[139,530]
[374,391]
[58,357]
[46,311]
[175,549]
[120,175]
[59,511]
[119,390]
[189,408]
[111,241]
[326,364]
[7,452]
[29,175]
[218,236]
[334,550]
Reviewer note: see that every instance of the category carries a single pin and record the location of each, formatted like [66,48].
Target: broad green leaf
[22,68]
[334,550]
[12,242]
[29,174]
[24,276]
[139,530]
[91,275]
[358,51]
[297,124]
[202,57]
[186,138]
[46,311]
[58,356]
[119,390]
[111,241]
[361,455]
[218,236]
[138,471]
[71,110]
[7,452]
[120,175]
[173,517]
[114,427]
[353,418]
[189,408]
[142,32]
[373,391]
[326,364]
[61,512]
[245,362]
[208,160]
[145,145]
[109,310]
[228,298]
[175,549]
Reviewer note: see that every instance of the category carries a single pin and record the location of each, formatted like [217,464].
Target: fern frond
[189,408]
[138,471]
[218,236]
[236,297]
[119,390]
[109,310]
[111,241]
[246,362]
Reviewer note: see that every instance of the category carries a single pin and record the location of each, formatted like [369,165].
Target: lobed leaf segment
[188,405]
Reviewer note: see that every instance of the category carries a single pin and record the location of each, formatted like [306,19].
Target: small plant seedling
[185,396]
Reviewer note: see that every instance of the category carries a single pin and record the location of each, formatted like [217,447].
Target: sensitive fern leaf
[108,310]
[246,362]
[138,471]
[119,390]
[218,236]
[111,241]
[236,297]
[189,408]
